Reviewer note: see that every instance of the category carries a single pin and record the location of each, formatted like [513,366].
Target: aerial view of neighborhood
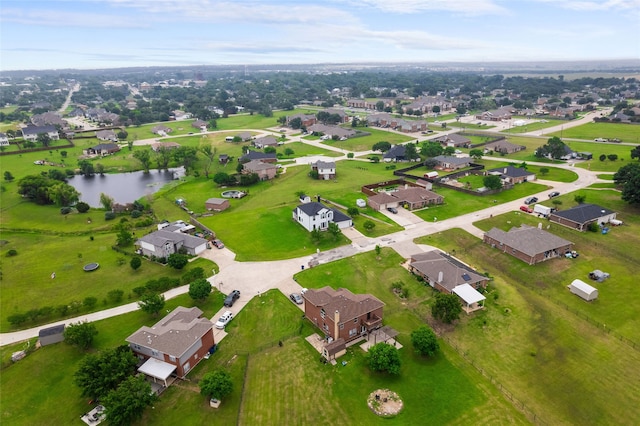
[331,242]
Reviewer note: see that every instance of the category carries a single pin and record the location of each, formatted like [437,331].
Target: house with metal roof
[529,244]
[583,215]
[174,345]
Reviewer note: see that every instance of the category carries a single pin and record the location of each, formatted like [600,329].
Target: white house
[315,215]
[30,133]
[326,169]
[4,139]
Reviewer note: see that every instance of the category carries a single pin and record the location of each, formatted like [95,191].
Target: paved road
[254,278]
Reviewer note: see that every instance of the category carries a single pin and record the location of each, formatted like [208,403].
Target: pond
[122,187]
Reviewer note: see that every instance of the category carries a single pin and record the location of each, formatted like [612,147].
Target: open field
[365,143]
[27,284]
[590,131]
[532,125]
[533,336]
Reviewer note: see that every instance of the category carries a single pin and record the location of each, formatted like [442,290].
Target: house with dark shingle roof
[173,345]
[504,147]
[454,140]
[529,244]
[512,174]
[265,141]
[446,162]
[257,155]
[396,153]
[102,149]
[444,272]
[106,135]
[326,169]
[316,215]
[340,314]
[167,241]
[582,215]
[30,133]
[51,335]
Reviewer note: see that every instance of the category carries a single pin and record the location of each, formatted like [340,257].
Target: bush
[115,296]
[109,215]
[136,214]
[65,210]
[593,227]
[82,207]
[192,275]
[12,252]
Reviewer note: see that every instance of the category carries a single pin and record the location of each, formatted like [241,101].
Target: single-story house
[331,131]
[444,272]
[164,145]
[174,345]
[409,126]
[102,149]
[504,147]
[200,125]
[472,300]
[265,142]
[395,153]
[216,204]
[495,115]
[446,162]
[340,314]
[161,130]
[410,197]
[265,171]
[30,133]
[455,140]
[107,135]
[583,290]
[4,139]
[257,155]
[315,215]
[512,174]
[527,243]
[245,136]
[51,335]
[326,169]
[164,242]
[582,215]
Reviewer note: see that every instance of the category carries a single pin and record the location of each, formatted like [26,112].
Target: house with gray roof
[529,244]
[51,335]
[30,133]
[582,215]
[512,174]
[326,169]
[102,149]
[341,314]
[166,241]
[265,141]
[331,131]
[107,135]
[444,272]
[257,155]
[265,171]
[454,140]
[316,216]
[446,162]
[396,153]
[173,345]
[161,130]
[504,147]
[4,139]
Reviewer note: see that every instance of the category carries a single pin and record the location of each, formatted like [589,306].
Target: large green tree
[492,182]
[199,289]
[144,157]
[216,384]
[554,148]
[384,357]
[431,149]
[382,146]
[127,402]
[628,177]
[424,341]
[151,303]
[102,372]
[447,308]
[80,334]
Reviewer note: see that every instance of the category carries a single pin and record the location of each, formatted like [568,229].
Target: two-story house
[315,215]
[326,169]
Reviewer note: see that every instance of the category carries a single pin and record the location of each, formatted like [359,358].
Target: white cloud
[597,5]
[43,17]
[467,7]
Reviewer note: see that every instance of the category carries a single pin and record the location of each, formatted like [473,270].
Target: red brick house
[174,345]
[529,244]
[341,314]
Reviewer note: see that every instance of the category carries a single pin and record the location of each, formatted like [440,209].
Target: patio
[94,417]
[384,334]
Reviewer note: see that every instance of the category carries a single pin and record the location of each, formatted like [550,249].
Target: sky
[90,34]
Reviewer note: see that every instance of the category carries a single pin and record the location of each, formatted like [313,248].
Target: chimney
[336,324]
[440,276]
[505,171]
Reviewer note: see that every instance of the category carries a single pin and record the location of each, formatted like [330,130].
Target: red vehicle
[526,209]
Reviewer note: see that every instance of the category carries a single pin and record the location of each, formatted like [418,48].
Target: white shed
[584,290]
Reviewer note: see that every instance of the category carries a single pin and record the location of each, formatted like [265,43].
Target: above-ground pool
[91,267]
[232,193]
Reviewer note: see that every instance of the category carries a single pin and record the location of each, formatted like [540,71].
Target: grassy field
[364,143]
[555,173]
[533,336]
[532,126]
[590,131]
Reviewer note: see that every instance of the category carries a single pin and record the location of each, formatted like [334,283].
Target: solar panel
[466,277]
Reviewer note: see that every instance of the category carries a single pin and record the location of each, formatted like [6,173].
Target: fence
[531,415]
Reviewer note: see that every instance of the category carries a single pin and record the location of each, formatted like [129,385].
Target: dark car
[296,298]
[219,244]
[531,200]
[553,194]
[392,210]
[231,298]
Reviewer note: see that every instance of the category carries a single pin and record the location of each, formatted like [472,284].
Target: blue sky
[90,34]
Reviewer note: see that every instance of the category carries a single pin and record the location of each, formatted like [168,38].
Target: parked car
[531,200]
[296,298]
[231,298]
[553,194]
[526,209]
[392,210]
[219,244]
[224,320]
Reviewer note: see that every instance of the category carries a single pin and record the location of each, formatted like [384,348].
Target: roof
[469,294]
[504,144]
[256,165]
[324,164]
[338,216]
[453,160]
[159,238]
[581,285]
[414,195]
[335,346]
[453,137]
[312,208]
[105,147]
[583,213]
[216,200]
[528,239]
[155,368]
[175,333]
[454,272]
[256,155]
[34,130]
[512,172]
[349,305]
[395,151]
[383,198]
[266,140]
[50,331]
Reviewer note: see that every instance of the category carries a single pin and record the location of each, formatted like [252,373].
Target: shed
[584,290]
[48,336]
[216,204]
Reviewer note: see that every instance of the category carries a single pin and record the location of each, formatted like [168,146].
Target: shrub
[136,214]
[82,207]
[12,252]
[115,296]
[593,227]
[65,210]
[109,215]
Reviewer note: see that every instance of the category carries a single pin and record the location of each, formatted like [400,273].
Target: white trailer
[542,210]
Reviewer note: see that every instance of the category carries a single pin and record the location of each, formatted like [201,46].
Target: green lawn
[590,131]
[533,336]
[531,127]
[555,173]
[364,143]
